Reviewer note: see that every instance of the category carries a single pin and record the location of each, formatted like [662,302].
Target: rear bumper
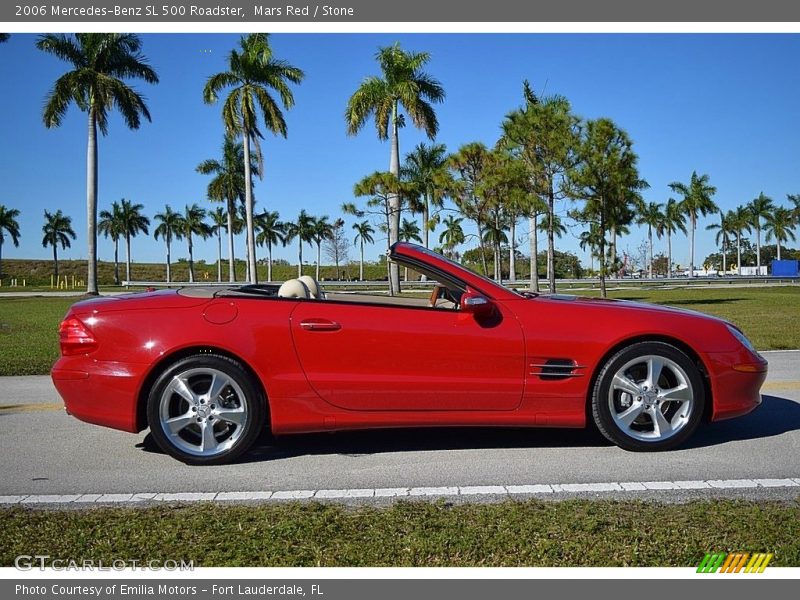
[736,380]
[100,392]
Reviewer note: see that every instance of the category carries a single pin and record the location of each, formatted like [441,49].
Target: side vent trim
[550,369]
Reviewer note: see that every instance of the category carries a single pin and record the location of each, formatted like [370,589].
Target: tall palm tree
[425,167]
[303,230]
[219,221]
[696,201]
[101,61]
[739,221]
[409,232]
[795,199]
[9,225]
[111,225]
[364,233]
[170,227]
[722,239]
[779,225]
[194,224]
[253,73]
[402,83]
[57,232]
[453,234]
[228,185]
[322,230]
[650,215]
[132,223]
[271,231]
[672,221]
[591,239]
[760,208]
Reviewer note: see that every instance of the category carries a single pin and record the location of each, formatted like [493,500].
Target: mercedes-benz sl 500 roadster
[208,369]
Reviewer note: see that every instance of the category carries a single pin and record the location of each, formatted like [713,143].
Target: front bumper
[100,392]
[736,380]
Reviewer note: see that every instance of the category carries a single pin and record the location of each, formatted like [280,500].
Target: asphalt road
[44,451]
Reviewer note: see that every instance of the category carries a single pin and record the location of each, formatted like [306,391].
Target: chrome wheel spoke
[181,387]
[218,383]
[235,416]
[181,422]
[661,426]
[680,393]
[623,383]
[208,441]
[629,416]
[655,365]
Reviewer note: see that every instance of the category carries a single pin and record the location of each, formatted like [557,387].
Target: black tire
[239,438]
[601,402]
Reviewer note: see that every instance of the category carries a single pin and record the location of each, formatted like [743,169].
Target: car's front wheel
[648,396]
[205,410]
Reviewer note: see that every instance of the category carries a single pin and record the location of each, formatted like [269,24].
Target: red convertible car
[208,369]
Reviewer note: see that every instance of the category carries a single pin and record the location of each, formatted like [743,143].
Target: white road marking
[469,490]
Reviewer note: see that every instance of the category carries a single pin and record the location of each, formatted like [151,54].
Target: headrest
[313,287]
[293,288]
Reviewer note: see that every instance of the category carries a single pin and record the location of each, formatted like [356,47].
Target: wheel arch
[666,339]
[167,360]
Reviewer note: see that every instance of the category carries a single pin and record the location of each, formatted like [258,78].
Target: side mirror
[474,303]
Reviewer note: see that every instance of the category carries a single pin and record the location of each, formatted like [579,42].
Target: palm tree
[57,231]
[228,185]
[111,225]
[591,239]
[650,215]
[252,74]
[779,225]
[453,234]
[271,231]
[409,232]
[425,167]
[364,233]
[724,230]
[795,199]
[171,226]
[322,230]
[760,208]
[219,220]
[193,222]
[672,221]
[101,61]
[739,221]
[402,83]
[132,222]
[696,201]
[303,230]
[8,224]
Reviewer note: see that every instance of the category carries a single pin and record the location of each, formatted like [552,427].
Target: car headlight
[743,339]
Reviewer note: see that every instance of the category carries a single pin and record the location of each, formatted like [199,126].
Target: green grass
[769,316]
[530,533]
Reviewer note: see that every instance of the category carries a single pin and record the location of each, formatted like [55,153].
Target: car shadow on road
[775,416]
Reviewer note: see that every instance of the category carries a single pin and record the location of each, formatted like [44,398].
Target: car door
[388,357]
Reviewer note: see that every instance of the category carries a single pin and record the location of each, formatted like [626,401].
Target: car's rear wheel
[205,410]
[648,396]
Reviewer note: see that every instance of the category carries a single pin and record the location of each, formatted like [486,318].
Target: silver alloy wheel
[651,398]
[203,411]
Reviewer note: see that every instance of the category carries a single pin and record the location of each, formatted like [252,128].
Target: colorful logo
[734,562]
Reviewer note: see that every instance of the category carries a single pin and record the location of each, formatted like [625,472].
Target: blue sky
[726,105]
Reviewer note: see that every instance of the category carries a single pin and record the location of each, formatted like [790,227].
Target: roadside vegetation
[420,534]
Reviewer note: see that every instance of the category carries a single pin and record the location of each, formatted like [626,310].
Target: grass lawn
[770,316]
[530,533]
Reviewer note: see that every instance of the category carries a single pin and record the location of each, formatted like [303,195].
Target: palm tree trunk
[319,252]
[650,240]
[481,246]
[426,215]
[669,254]
[602,256]
[534,242]
[169,259]
[777,241]
[128,257]
[219,254]
[269,258]
[361,266]
[691,246]
[551,244]
[300,257]
[55,261]
[248,208]
[116,262]
[512,253]
[231,259]
[739,253]
[724,256]
[613,249]
[91,205]
[191,259]
[394,204]
[758,247]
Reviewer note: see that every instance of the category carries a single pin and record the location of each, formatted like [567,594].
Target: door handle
[320,325]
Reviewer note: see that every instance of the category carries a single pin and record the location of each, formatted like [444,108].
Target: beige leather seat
[313,287]
[294,288]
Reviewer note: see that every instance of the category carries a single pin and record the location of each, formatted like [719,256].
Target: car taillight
[75,337]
